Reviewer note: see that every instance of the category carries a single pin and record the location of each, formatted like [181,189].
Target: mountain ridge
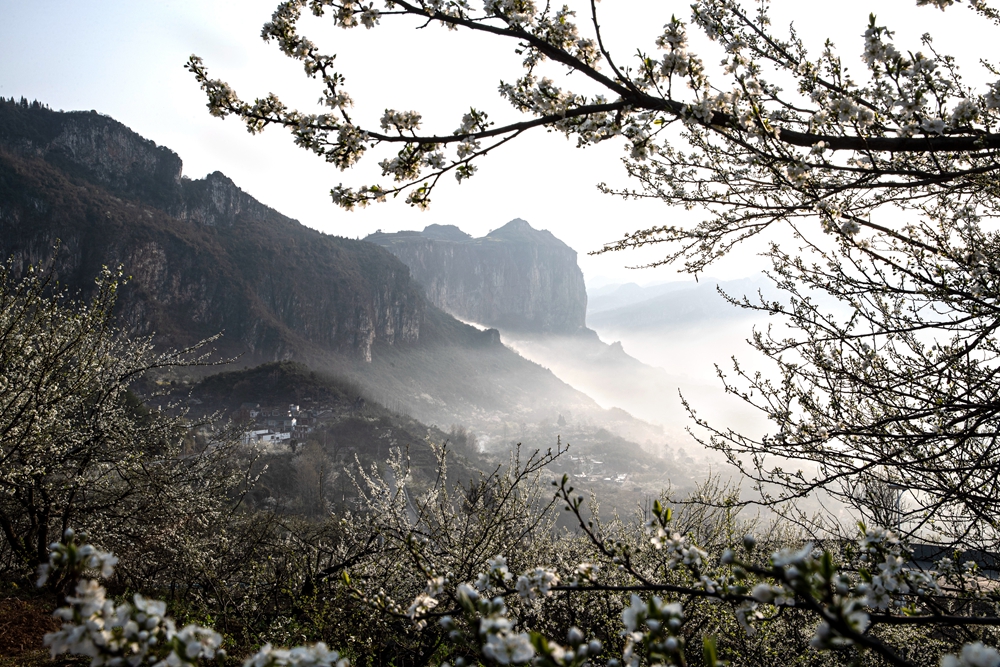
[515,277]
[206,257]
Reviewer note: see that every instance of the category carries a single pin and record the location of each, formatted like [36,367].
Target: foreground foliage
[646,593]
[420,574]
[417,574]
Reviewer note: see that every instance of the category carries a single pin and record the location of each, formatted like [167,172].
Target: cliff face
[203,255]
[516,277]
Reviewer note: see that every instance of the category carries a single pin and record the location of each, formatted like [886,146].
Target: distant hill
[631,307]
[344,422]
[515,278]
[337,427]
[618,296]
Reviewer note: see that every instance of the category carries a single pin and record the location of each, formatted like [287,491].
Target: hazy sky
[125,59]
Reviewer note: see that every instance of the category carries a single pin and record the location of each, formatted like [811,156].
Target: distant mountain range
[526,283]
[205,257]
[672,304]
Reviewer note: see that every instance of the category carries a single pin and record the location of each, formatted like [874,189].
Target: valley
[79,191]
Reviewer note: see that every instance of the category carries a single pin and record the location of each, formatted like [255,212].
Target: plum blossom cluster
[885,580]
[486,610]
[75,552]
[516,13]
[500,641]
[536,583]
[502,644]
[585,573]
[975,654]
[315,655]
[128,634]
[140,632]
[889,577]
[497,575]
[533,584]
[559,30]
[577,652]
[653,631]
[123,634]
[680,549]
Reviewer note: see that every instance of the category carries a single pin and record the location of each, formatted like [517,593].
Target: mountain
[515,278]
[613,296]
[501,279]
[205,257]
[676,304]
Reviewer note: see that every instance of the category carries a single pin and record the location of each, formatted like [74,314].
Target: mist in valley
[651,345]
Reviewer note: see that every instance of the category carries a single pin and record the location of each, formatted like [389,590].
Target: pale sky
[125,59]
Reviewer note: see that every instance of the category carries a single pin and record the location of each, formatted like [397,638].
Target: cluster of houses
[275,425]
[590,469]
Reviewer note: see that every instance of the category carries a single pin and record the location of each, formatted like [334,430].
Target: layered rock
[515,278]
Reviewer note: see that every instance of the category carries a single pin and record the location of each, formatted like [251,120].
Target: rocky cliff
[204,257]
[515,278]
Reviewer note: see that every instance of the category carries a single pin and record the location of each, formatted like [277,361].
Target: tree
[883,179]
[77,447]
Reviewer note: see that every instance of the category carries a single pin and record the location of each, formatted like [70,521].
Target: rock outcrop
[515,278]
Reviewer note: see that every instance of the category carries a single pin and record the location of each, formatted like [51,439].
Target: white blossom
[965,112]
[536,583]
[976,654]
[509,649]
[316,655]
[421,605]
[933,125]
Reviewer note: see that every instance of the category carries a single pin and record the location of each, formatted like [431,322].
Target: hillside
[203,256]
[339,421]
[336,428]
